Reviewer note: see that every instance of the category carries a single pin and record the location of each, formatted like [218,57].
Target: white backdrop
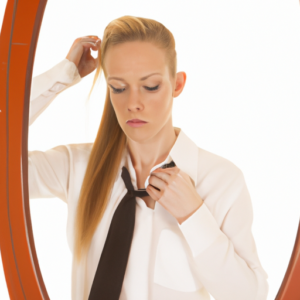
[243,78]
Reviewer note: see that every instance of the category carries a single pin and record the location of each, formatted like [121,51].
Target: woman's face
[130,67]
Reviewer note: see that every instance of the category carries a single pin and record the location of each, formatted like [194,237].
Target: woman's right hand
[80,54]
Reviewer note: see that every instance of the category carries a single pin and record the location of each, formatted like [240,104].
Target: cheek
[162,104]
[118,103]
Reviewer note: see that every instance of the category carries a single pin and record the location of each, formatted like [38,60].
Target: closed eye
[118,91]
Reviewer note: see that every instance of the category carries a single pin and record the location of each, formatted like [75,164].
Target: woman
[192,232]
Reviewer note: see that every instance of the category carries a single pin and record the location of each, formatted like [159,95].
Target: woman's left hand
[177,193]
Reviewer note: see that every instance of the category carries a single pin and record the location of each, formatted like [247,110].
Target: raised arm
[49,171]
[77,64]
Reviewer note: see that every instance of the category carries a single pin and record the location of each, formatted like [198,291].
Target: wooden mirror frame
[18,40]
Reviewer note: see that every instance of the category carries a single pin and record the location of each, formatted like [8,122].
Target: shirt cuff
[69,73]
[200,230]
[64,72]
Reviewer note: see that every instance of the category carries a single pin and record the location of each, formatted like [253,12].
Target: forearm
[229,269]
[46,86]
[226,275]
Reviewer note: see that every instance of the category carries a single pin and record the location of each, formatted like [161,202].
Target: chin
[139,134]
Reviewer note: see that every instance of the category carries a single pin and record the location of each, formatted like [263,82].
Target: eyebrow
[143,78]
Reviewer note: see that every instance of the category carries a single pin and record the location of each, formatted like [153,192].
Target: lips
[136,121]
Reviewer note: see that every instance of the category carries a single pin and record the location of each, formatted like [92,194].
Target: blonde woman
[191,232]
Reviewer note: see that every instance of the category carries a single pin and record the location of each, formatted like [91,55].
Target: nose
[135,102]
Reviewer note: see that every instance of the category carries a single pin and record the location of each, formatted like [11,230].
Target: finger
[95,43]
[89,38]
[165,177]
[93,36]
[153,193]
[170,171]
[89,44]
[157,182]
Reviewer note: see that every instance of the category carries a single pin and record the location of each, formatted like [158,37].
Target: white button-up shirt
[212,252]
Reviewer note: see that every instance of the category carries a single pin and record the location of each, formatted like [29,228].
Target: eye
[118,91]
[152,88]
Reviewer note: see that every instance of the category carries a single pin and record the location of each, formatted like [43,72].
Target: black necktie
[110,272]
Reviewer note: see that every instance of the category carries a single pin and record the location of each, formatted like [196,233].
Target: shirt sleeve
[49,171]
[46,86]
[225,256]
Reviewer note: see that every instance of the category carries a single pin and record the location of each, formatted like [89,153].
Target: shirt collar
[184,153]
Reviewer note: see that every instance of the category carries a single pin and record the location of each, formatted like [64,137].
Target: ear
[179,83]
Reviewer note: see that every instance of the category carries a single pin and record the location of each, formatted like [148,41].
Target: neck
[146,155]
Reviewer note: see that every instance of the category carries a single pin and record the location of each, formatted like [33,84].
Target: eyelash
[118,91]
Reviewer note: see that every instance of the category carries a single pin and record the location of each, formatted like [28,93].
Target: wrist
[180,220]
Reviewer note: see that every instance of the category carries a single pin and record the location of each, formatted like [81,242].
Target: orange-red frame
[18,41]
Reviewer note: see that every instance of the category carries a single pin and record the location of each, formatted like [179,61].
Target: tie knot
[138,193]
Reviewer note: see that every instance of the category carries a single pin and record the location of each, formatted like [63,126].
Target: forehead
[136,57]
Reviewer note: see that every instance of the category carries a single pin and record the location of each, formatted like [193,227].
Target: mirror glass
[241,101]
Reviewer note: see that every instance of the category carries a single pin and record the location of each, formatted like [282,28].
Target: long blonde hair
[106,153]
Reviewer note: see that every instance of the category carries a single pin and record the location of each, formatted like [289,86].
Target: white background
[241,101]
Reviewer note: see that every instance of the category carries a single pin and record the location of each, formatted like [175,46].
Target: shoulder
[222,186]
[211,163]
[218,178]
